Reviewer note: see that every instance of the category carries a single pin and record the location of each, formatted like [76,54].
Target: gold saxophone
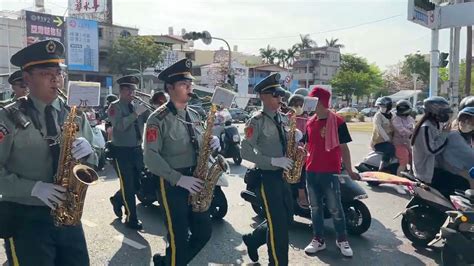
[71,175]
[201,201]
[295,153]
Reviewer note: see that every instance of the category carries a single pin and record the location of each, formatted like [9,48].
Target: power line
[316,33]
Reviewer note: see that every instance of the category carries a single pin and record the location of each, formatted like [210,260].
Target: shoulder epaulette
[15,112]
[162,111]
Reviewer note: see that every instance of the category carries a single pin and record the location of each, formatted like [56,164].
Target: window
[325,71]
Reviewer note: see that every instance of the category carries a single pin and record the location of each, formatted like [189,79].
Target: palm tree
[282,56]
[306,42]
[333,43]
[291,55]
[268,54]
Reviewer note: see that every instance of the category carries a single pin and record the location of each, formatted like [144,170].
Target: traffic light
[443,59]
[192,35]
[425,5]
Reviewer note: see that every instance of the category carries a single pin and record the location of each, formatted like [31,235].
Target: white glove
[282,162]
[140,108]
[298,135]
[190,183]
[215,144]
[52,195]
[81,148]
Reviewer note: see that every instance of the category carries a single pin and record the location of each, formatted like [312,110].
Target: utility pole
[434,62]
[415,94]
[454,64]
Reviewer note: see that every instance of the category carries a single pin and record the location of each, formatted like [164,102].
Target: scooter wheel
[416,236]
[358,218]
[219,206]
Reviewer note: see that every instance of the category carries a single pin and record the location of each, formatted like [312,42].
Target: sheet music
[81,93]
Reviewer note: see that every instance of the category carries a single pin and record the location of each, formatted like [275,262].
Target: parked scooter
[425,213]
[230,142]
[148,194]
[371,163]
[358,217]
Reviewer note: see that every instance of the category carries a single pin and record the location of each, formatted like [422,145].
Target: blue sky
[377,30]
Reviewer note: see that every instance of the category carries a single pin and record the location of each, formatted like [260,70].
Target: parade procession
[122,145]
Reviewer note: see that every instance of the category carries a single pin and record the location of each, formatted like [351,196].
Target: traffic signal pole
[454,63]
[434,62]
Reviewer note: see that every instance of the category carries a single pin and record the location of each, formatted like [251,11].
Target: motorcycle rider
[403,125]
[458,156]
[430,137]
[383,131]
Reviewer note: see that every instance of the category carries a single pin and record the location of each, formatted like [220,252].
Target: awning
[404,95]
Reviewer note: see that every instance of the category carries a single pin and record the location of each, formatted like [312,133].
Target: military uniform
[127,131]
[15,77]
[173,138]
[265,138]
[26,158]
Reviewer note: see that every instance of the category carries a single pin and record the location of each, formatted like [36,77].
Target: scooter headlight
[236,138]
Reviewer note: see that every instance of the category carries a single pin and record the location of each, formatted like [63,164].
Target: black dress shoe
[251,248]
[117,208]
[136,225]
[159,260]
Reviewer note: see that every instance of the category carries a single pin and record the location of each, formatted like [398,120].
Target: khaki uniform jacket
[262,142]
[25,156]
[167,145]
[123,124]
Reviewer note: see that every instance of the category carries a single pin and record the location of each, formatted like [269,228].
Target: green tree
[291,55]
[306,42]
[138,52]
[334,43]
[356,77]
[268,54]
[282,56]
[416,63]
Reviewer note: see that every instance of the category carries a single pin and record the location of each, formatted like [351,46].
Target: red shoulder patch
[248,132]
[3,132]
[151,134]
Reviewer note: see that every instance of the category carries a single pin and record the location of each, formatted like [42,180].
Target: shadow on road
[139,254]
[378,246]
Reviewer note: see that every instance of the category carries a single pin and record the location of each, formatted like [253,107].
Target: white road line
[88,223]
[129,242]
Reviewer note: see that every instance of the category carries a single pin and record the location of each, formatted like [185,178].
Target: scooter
[371,163]
[148,194]
[230,141]
[457,232]
[358,217]
[425,213]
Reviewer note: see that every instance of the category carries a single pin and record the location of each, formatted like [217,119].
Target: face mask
[466,128]
[383,109]
[299,110]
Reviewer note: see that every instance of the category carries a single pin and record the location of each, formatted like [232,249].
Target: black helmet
[294,99]
[111,98]
[403,107]
[287,96]
[439,107]
[469,111]
[384,101]
[302,91]
[467,102]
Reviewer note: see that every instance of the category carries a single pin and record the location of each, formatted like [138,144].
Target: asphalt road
[111,243]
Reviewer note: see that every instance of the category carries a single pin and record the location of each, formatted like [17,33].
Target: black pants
[129,165]
[39,242]
[180,221]
[446,182]
[275,195]
[388,150]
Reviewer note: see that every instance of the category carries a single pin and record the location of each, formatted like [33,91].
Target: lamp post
[206,37]
[415,95]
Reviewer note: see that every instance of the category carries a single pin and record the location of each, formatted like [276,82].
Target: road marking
[129,242]
[88,223]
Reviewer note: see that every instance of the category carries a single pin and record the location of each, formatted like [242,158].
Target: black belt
[186,170]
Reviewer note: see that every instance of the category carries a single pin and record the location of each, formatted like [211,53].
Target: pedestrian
[29,158]
[18,86]
[403,126]
[327,138]
[430,137]
[173,140]
[382,134]
[158,99]
[265,145]
[127,119]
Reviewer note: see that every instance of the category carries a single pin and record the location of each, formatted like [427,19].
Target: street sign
[83,44]
[41,26]
[422,15]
